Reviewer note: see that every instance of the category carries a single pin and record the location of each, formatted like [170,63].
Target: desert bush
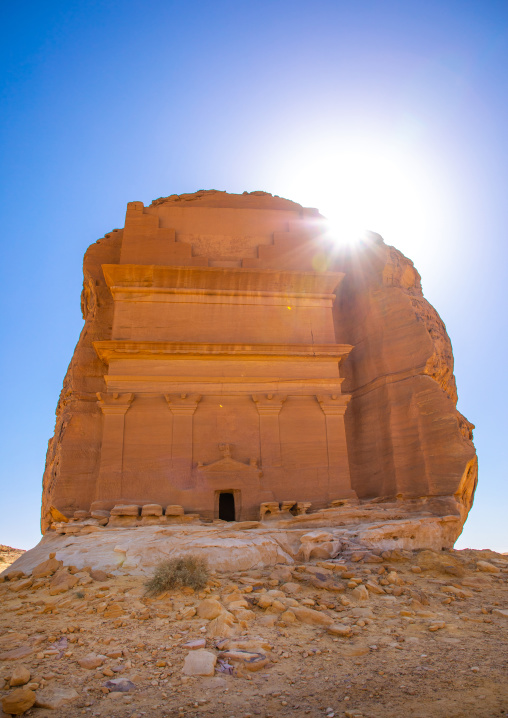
[190,570]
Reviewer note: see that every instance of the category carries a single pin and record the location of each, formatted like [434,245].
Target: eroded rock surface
[219,321]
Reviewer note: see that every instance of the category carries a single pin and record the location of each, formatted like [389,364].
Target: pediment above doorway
[228,465]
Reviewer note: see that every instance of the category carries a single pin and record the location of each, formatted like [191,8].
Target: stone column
[334,407]
[269,406]
[182,406]
[109,484]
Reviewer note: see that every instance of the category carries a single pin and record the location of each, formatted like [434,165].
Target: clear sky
[387,115]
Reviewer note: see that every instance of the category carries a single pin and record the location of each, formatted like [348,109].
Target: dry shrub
[190,570]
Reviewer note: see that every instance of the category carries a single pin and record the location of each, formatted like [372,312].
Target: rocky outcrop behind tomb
[405,435]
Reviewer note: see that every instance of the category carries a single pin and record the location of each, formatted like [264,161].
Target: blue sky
[387,115]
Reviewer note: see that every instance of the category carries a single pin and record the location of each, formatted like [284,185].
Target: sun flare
[366,187]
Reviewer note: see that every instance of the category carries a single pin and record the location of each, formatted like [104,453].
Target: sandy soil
[428,640]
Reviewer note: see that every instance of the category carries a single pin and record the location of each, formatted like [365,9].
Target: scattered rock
[199,663]
[47,568]
[16,653]
[23,585]
[194,645]
[222,626]
[62,581]
[487,567]
[20,676]
[98,575]
[437,626]
[209,609]
[55,697]
[248,660]
[360,593]
[18,701]
[92,660]
[339,629]
[121,685]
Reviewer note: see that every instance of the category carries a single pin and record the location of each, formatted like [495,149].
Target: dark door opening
[227,507]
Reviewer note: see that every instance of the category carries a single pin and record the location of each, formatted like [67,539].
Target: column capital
[114,403]
[333,404]
[183,404]
[269,404]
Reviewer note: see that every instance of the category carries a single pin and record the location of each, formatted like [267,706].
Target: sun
[361,186]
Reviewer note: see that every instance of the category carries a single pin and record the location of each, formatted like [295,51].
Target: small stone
[194,645]
[437,626]
[120,685]
[487,567]
[288,617]
[500,612]
[312,617]
[17,653]
[55,697]
[114,653]
[250,661]
[222,626]
[209,609]
[92,660]
[18,701]
[47,568]
[98,575]
[360,593]
[338,629]
[62,581]
[14,575]
[22,585]
[20,675]
[199,663]
[374,587]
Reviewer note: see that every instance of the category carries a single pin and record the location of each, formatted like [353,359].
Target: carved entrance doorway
[227,506]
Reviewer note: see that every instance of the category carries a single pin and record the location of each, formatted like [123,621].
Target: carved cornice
[128,350]
[125,277]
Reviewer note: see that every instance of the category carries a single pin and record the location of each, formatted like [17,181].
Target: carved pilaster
[334,407]
[114,407]
[182,406]
[269,406]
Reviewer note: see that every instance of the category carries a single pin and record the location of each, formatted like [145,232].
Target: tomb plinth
[233,357]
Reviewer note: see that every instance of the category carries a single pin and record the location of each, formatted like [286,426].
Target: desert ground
[367,634]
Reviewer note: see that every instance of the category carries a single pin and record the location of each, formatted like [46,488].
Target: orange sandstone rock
[232,357]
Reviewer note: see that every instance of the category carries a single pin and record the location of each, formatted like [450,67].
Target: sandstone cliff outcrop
[214,326]
[405,435]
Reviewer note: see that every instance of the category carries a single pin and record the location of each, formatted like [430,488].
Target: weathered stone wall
[405,435]
[74,450]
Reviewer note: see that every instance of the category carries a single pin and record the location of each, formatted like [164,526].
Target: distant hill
[8,555]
